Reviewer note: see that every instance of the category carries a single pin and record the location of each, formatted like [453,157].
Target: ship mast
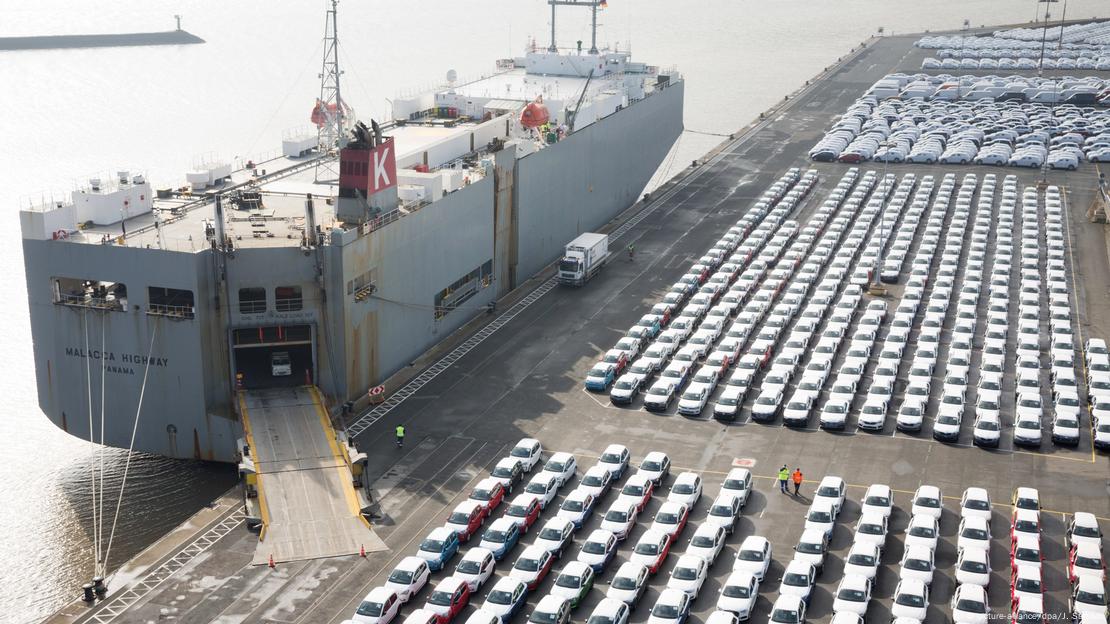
[334,111]
[593,4]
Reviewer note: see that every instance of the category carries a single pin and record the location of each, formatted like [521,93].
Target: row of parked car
[1092,33]
[1098,372]
[995,45]
[958,59]
[575,579]
[980,131]
[969,604]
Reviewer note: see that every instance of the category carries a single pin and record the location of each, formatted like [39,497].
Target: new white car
[973,566]
[974,532]
[672,607]
[532,565]
[911,600]
[655,466]
[545,486]
[615,460]
[563,466]
[753,556]
[918,563]
[821,516]
[927,501]
[475,567]
[922,531]
[724,511]
[852,595]
[738,481]
[969,605]
[577,507]
[975,502]
[629,583]
[598,549]
[408,577]
[788,608]
[707,542]
[555,535]
[597,481]
[688,575]
[831,488]
[686,489]
[863,560]
[1088,596]
[620,518]
[798,580]
[879,499]
[380,606]
[739,594]
[528,451]
[871,528]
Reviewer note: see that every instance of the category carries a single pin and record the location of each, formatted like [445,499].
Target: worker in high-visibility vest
[784,475]
[400,435]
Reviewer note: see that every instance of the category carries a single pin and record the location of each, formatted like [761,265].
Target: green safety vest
[784,475]
[400,431]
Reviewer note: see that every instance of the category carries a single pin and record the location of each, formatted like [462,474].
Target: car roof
[671,595]
[686,476]
[409,564]
[912,585]
[831,480]
[1088,549]
[853,580]
[477,554]
[1026,514]
[533,552]
[600,535]
[524,499]
[655,456]
[422,616]
[753,542]
[930,491]
[380,594]
[615,448]
[812,535]
[797,565]
[1027,492]
[556,522]
[507,461]
[672,506]
[551,602]
[544,476]
[788,601]
[630,568]
[504,524]
[1085,518]
[577,494]
[468,506]
[487,483]
[508,582]
[449,583]
[608,607]
[655,535]
[1026,570]
[976,492]
[976,591]
[441,533]
[560,456]
[878,488]
[528,442]
[574,567]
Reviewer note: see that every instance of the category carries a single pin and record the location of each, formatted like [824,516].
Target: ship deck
[525,380]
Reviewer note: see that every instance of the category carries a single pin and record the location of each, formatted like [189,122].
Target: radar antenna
[592,4]
[334,111]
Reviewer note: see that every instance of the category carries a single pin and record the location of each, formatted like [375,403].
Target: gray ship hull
[485,238]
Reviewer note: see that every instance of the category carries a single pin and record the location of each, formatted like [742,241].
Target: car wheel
[1072,168]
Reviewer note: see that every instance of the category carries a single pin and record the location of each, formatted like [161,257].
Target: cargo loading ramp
[309,506]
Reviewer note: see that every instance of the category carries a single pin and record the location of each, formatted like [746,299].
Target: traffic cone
[361,551]
[272,561]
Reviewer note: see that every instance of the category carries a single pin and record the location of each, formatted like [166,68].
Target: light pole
[877,288]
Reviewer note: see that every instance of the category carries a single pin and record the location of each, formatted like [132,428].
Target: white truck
[584,257]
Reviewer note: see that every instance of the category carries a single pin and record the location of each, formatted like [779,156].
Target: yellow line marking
[344,470]
[263,507]
[1075,308]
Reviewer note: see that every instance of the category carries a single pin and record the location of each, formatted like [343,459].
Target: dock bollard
[87,592]
[99,587]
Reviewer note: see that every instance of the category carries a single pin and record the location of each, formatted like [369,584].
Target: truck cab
[280,364]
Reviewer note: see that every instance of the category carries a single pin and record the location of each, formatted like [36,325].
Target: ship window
[287,298]
[452,297]
[86,293]
[170,302]
[252,300]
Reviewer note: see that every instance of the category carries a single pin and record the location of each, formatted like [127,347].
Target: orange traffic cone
[361,551]
[272,562]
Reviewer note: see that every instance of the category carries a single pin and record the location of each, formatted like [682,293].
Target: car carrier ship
[156,312]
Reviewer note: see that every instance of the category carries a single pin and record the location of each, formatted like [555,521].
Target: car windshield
[441,598]
[660,391]
[750,555]
[877,501]
[820,515]
[431,545]
[702,541]
[1089,597]
[1066,422]
[796,580]
[685,574]
[922,531]
[784,616]
[624,582]
[1026,526]
[948,420]
[767,400]
[683,488]
[971,606]
[665,611]
[651,466]
[870,528]
[861,559]
[543,617]
[616,515]
[593,480]
[469,566]
[503,472]
[733,484]
[910,600]
[569,580]
[594,548]
[974,533]
[500,596]
[971,565]
[1085,531]
[811,548]
[536,487]
[519,510]
[482,495]
[977,504]
[1093,563]
[599,371]
[1027,584]
[401,577]
[828,491]
[987,425]
[550,534]
[370,609]
[571,504]
[624,385]
[521,451]
[527,565]
[737,591]
[852,595]
[633,489]
[1030,402]
[922,565]
[666,518]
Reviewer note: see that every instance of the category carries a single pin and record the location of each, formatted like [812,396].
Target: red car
[638,489]
[467,518]
[490,493]
[851,157]
[448,598]
[618,358]
[523,511]
[652,550]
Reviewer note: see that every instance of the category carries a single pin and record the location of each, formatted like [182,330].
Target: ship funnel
[221,239]
[309,221]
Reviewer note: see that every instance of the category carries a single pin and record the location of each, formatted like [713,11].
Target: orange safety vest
[797,476]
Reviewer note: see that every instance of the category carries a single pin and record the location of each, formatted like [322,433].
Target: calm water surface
[70,114]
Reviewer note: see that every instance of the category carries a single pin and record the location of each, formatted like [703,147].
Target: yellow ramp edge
[262,507]
[345,473]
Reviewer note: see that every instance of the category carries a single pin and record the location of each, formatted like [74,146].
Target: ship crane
[573,117]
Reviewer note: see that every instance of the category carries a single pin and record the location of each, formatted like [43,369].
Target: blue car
[601,376]
[441,545]
[507,598]
[500,538]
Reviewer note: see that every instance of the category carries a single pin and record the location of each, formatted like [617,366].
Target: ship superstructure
[186,295]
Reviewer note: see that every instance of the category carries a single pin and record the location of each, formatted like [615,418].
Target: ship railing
[86,301]
[172,311]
